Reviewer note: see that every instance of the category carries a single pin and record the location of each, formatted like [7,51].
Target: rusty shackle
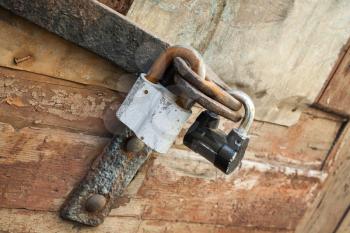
[190,65]
[207,86]
[189,54]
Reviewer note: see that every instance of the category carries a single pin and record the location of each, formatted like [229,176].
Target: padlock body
[231,154]
[151,112]
[225,152]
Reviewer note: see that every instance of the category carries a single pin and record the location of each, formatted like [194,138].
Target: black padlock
[224,151]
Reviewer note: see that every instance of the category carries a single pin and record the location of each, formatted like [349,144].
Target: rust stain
[121,6]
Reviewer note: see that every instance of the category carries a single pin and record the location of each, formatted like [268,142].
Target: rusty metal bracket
[92,200]
[109,34]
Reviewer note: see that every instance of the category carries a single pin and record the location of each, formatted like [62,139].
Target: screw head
[95,203]
[134,144]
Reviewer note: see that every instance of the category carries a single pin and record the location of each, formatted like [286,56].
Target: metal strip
[108,177]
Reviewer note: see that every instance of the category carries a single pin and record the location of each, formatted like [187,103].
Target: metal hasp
[109,34]
[98,28]
[92,200]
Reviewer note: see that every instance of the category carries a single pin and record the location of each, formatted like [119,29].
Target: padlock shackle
[207,86]
[249,110]
[164,60]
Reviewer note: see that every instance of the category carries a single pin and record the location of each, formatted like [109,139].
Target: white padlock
[150,109]
[151,112]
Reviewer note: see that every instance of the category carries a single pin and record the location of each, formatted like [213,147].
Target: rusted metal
[95,203]
[109,175]
[166,58]
[121,6]
[134,145]
[208,103]
[18,60]
[206,86]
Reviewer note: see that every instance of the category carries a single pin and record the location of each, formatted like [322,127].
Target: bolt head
[134,145]
[95,203]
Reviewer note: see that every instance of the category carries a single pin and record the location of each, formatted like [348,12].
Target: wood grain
[336,96]
[56,57]
[39,166]
[28,99]
[344,226]
[280,52]
[254,195]
[24,221]
[42,162]
[334,197]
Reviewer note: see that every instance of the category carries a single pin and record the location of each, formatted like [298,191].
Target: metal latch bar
[92,200]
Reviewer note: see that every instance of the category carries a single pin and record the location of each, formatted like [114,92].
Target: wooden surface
[336,97]
[53,110]
[334,198]
[38,222]
[36,100]
[69,62]
[344,226]
[49,138]
[281,52]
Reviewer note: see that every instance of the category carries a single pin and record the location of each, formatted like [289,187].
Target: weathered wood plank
[28,99]
[54,56]
[345,224]
[28,142]
[95,27]
[281,52]
[336,96]
[39,167]
[24,221]
[334,198]
[306,143]
[155,226]
[255,195]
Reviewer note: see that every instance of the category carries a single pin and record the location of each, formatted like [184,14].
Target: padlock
[224,151]
[150,110]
